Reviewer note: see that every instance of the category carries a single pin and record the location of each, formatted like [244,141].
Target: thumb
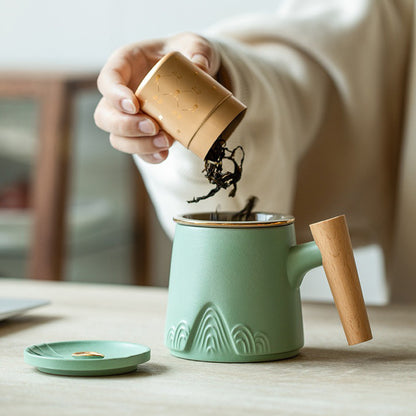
[198,49]
[201,61]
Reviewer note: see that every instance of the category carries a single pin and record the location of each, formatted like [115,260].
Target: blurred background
[111,228]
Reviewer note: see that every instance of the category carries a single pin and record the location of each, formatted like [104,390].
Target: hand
[118,112]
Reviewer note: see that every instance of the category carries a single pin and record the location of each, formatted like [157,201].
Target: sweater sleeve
[283,66]
[285,95]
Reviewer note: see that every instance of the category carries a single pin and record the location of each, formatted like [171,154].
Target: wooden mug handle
[333,240]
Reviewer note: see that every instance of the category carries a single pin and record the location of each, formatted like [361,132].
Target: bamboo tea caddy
[234,286]
[189,104]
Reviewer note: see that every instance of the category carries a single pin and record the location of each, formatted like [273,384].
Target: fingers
[153,149]
[128,65]
[198,49]
[142,145]
[112,83]
[113,121]
[118,112]
[135,134]
[155,158]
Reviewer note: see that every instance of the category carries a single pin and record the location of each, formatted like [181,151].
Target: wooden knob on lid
[333,239]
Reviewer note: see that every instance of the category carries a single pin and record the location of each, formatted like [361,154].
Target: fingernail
[128,106]
[147,127]
[200,60]
[161,141]
[157,156]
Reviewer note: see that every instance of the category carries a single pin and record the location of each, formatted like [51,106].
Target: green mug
[234,286]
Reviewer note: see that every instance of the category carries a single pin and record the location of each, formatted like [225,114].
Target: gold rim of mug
[223,220]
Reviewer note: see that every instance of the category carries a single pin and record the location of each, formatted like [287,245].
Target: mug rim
[224,219]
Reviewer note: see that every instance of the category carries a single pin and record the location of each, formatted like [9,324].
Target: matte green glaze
[301,259]
[234,293]
[56,357]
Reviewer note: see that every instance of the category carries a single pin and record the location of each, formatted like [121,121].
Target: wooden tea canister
[189,104]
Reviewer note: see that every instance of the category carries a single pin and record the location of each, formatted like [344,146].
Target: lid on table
[87,358]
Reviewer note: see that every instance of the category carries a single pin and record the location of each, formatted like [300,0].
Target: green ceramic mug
[234,286]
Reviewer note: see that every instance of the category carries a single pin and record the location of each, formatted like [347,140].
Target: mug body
[229,295]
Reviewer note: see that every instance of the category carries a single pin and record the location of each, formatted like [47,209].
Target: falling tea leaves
[216,174]
[222,179]
[246,212]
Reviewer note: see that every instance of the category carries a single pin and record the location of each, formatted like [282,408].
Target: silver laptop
[16,306]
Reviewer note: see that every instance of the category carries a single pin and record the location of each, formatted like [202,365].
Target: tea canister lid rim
[154,69]
[227,220]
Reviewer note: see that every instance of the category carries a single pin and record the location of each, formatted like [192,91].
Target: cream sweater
[330,91]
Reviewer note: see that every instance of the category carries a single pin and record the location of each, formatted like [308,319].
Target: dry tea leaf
[214,169]
[246,212]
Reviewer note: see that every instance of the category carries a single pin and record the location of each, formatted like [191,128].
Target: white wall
[82,33]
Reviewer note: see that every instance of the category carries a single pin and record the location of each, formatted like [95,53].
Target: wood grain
[54,93]
[141,247]
[333,239]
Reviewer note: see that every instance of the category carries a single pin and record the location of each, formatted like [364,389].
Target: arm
[285,92]
[298,70]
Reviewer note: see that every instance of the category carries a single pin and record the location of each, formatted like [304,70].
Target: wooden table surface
[327,378]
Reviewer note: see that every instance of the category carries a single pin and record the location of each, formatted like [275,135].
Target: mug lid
[86,358]
[227,219]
